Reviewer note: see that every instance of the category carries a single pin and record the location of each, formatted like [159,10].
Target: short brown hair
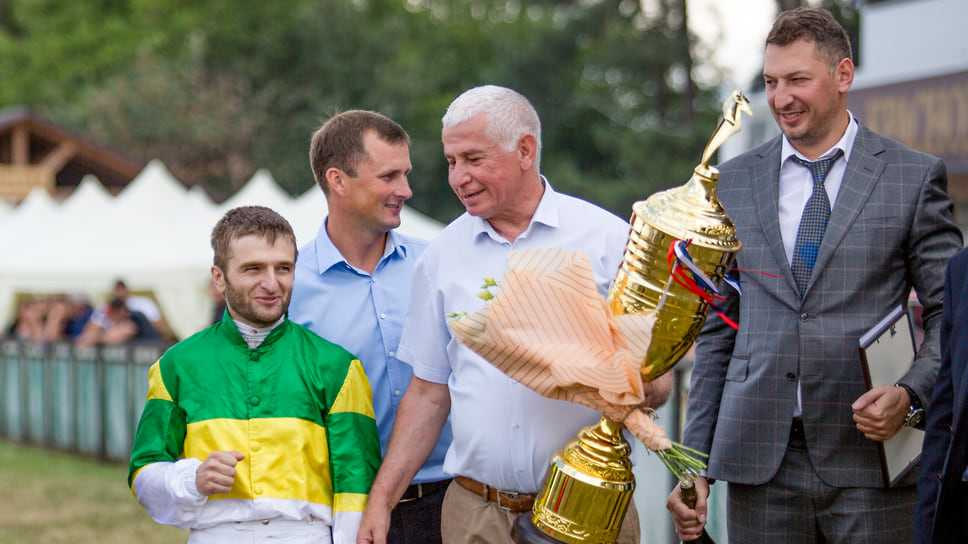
[243,221]
[339,142]
[814,25]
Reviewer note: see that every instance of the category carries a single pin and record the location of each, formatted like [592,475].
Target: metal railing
[82,400]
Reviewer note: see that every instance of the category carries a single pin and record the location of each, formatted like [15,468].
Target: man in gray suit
[780,404]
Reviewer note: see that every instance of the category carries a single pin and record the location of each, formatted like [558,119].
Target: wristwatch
[915,415]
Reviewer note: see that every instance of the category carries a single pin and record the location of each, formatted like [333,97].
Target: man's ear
[218,278]
[335,180]
[527,150]
[845,75]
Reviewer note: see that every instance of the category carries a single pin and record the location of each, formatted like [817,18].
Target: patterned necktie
[813,222]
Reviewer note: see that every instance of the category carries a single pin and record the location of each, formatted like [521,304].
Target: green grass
[50,497]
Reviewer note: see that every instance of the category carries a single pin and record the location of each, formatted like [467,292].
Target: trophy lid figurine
[548,328]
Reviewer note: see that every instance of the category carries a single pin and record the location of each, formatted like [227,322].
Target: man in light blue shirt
[352,283]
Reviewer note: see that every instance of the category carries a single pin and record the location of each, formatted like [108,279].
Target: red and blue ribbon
[685,273]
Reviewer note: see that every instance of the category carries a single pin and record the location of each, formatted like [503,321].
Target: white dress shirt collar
[546,214]
[845,144]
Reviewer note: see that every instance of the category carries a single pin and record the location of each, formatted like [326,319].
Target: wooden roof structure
[36,152]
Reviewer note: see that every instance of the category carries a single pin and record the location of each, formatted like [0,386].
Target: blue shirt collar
[328,256]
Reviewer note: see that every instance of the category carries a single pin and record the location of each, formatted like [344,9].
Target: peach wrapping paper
[549,329]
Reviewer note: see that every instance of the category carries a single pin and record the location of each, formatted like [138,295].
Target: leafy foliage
[219,89]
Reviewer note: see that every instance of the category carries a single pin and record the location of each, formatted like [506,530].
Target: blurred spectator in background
[66,317]
[116,324]
[55,322]
[145,305]
[28,325]
[81,311]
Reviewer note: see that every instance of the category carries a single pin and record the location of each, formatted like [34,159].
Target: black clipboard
[887,352]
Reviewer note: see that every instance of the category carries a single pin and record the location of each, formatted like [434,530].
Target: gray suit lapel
[863,171]
[766,194]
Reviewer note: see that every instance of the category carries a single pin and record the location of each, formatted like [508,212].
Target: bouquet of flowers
[547,327]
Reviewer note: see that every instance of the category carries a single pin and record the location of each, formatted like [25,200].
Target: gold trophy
[590,482]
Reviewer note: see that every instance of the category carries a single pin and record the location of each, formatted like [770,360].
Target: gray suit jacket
[891,228]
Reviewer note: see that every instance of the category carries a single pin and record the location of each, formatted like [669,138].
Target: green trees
[217,89]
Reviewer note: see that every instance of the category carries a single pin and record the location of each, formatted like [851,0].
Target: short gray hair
[509,116]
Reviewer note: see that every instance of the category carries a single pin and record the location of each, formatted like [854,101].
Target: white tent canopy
[89,200]
[154,235]
[262,189]
[5,210]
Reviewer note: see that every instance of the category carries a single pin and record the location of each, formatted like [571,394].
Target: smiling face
[257,279]
[375,196]
[807,99]
[490,182]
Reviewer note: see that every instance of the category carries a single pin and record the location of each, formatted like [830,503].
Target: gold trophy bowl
[690,212]
[590,483]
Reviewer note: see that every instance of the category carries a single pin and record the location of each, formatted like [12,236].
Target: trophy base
[587,490]
[524,532]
